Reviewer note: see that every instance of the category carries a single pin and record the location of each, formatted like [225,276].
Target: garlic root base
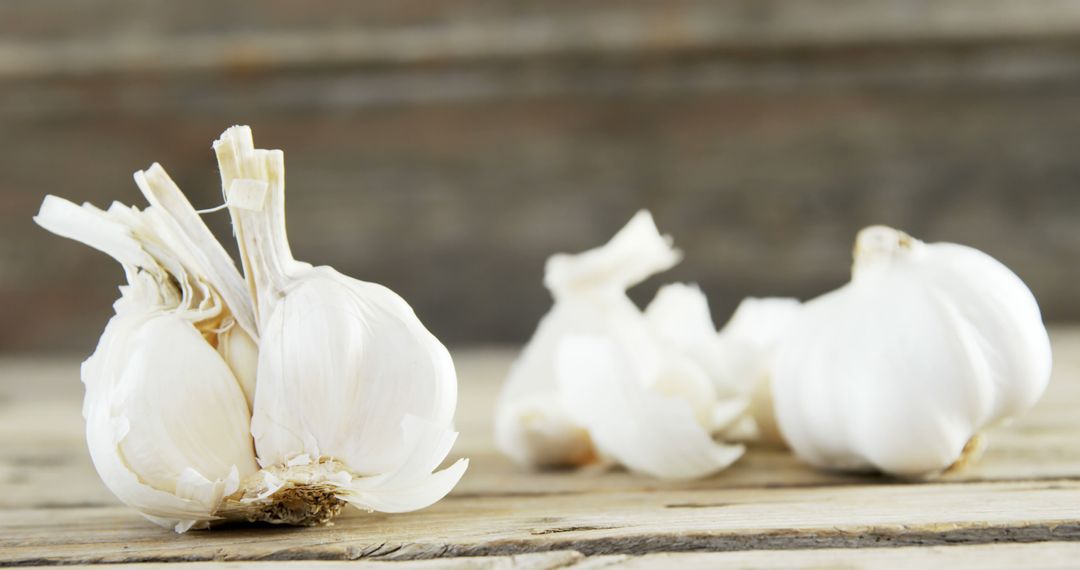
[308,494]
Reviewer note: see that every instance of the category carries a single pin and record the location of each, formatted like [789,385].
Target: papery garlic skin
[167,420]
[348,377]
[595,344]
[928,345]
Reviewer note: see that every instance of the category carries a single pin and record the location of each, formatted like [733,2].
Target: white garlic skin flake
[898,370]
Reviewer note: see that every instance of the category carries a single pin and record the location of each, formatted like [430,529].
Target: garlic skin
[167,420]
[598,374]
[928,345]
[348,377]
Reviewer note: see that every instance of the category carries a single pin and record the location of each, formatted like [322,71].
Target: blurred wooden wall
[447,148]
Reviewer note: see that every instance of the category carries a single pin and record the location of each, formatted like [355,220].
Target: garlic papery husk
[172,214]
[540,415]
[898,370]
[167,420]
[349,380]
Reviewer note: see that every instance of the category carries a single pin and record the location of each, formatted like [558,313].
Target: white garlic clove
[744,354]
[166,419]
[643,429]
[679,314]
[590,298]
[342,363]
[536,431]
[414,484]
[735,359]
[161,405]
[602,382]
[634,254]
[898,370]
[173,215]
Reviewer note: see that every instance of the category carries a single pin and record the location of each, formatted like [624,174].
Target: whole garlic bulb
[928,345]
[601,381]
[281,396]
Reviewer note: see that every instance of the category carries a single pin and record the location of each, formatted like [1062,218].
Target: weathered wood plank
[126,37]
[594,523]
[54,510]
[532,561]
[1047,555]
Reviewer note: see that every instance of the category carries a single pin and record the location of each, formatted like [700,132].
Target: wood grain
[1026,489]
[1048,556]
[447,151]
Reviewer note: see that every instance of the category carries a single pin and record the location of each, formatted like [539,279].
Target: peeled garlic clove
[644,429]
[928,345]
[166,419]
[346,371]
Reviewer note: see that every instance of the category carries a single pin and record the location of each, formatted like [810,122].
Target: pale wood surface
[767,511]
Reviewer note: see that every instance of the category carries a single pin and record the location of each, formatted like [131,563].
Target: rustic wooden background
[446,148]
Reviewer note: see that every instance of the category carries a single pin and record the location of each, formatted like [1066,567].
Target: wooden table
[1019,505]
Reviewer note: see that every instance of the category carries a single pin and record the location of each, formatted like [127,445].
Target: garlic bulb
[898,370]
[279,397]
[601,381]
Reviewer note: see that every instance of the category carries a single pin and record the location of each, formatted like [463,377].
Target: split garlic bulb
[602,381]
[898,370]
[279,397]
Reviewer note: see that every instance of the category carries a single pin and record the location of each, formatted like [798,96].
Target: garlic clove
[358,362]
[736,359]
[175,217]
[153,372]
[537,431]
[679,314]
[412,485]
[183,405]
[590,298]
[644,430]
[898,370]
[635,253]
[745,351]
[342,363]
